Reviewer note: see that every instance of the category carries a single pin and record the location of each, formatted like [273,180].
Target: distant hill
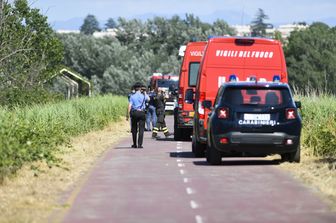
[231,17]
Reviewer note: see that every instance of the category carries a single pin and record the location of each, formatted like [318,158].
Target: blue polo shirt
[138,101]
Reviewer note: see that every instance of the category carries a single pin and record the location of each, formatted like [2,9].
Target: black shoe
[169,134]
[140,147]
[134,146]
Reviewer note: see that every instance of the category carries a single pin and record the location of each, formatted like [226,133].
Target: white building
[107,32]
[285,30]
[64,31]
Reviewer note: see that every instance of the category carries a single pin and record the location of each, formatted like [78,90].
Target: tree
[311,58]
[258,25]
[30,52]
[90,25]
[110,24]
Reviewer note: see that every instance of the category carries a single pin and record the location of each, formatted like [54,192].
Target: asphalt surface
[163,182]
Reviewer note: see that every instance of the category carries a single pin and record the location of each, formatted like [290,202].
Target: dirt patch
[318,173]
[33,194]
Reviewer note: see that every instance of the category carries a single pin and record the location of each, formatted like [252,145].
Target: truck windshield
[193,72]
[256,96]
[171,84]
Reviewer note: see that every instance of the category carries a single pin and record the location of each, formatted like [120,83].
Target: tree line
[31,53]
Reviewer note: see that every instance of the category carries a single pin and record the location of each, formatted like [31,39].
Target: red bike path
[163,182]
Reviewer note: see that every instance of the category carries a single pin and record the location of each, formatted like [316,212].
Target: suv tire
[213,156]
[197,148]
[293,157]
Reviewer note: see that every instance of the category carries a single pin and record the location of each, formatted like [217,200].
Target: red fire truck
[243,59]
[184,112]
[168,83]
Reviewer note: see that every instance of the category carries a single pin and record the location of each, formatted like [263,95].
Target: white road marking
[190,190]
[199,219]
[180,165]
[178,160]
[186,180]
[182,172]
[193,204]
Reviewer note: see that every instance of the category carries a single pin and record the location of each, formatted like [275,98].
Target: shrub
[34,133]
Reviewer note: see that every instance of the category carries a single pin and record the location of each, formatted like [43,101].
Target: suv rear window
[256,96]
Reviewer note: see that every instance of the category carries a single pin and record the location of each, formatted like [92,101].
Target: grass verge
[28,198]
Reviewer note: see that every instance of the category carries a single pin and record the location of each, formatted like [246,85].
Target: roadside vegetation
[34,133]
[319,125]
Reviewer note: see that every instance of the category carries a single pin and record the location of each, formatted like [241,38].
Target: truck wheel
[213,156]
[187,134]
[197,148]
[178,134]
[293,157]
[177,131]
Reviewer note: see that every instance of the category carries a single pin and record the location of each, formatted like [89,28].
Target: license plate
[191,114]
[264,117]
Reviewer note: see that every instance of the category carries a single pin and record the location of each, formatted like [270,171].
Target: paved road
[164,183]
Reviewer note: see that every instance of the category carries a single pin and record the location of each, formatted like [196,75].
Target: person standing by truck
[160,112]
[151,112]
[136,109]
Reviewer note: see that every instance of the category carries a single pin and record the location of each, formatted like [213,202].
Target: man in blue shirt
[136,109]
[151,113]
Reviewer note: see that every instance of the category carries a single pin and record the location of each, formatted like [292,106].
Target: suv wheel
[213,156]
[293,156]
[197,148]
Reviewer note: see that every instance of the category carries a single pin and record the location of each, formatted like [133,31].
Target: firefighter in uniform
[160,112]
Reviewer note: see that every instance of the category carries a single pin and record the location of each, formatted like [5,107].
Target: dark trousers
[138,119]
[160,124]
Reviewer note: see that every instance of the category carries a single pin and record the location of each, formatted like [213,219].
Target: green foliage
[90,25]
[258,25]
[14,97]
[139,49]
[30,52]
[311,58]
[33,133]
[319,125]
[110,24]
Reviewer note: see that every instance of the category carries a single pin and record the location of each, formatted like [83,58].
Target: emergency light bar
[233,78]
[276,78]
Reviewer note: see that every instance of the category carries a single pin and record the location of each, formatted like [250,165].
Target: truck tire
[178,134]
[187,134]
[197,148]
[213,156]
[293,157]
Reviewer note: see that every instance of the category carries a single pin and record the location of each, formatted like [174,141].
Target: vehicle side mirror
[207,104]
[189,96]
[298,104]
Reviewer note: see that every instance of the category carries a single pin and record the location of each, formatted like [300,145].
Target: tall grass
[319,124]
[33,133]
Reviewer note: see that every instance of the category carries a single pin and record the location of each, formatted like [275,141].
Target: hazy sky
[239,11]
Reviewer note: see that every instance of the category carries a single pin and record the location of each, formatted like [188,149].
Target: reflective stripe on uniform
[155,130]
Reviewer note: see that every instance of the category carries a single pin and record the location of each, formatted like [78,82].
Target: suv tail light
[223,113]
[200,106]
[290,113]
[180,97]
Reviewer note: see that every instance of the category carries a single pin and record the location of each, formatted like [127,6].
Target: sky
[70,13]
